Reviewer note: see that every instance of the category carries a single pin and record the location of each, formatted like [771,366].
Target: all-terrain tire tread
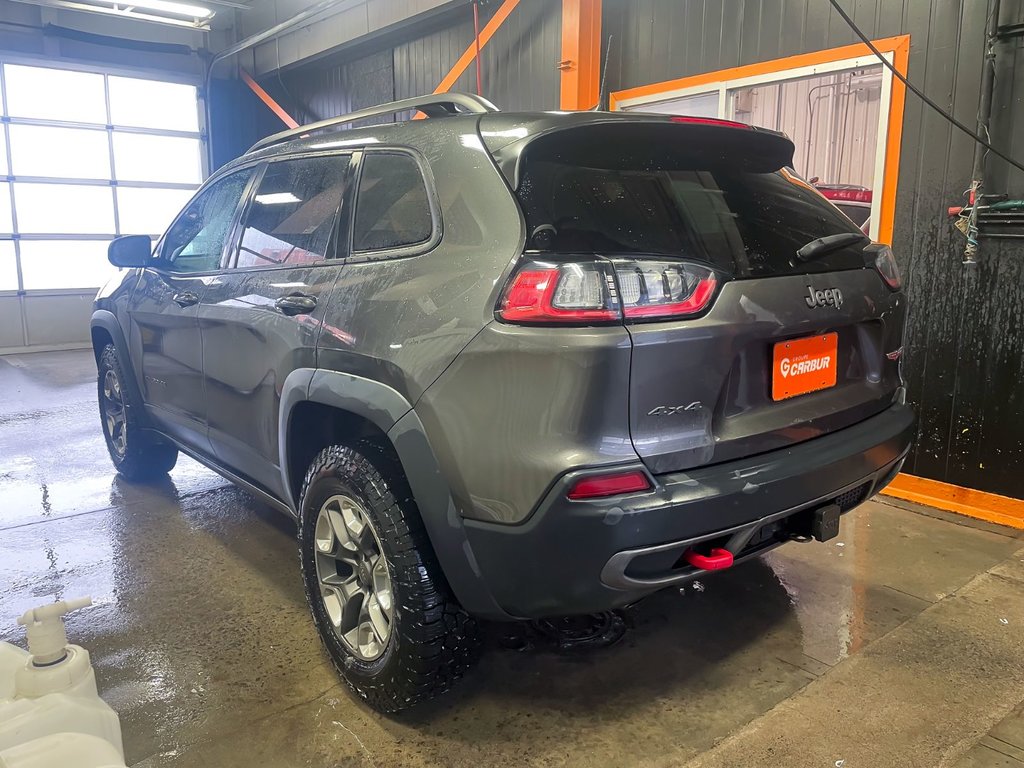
[146,457]
[437,641]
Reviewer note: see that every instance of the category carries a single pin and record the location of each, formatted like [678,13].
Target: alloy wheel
[355,584]
[113,412]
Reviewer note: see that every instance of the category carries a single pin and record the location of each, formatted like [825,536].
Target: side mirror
[130,251]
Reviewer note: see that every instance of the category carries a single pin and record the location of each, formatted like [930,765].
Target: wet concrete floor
[899,643]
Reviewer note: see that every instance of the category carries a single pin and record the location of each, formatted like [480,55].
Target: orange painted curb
[953,498]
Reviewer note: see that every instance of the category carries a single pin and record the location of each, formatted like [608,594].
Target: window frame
[404,251]
[163,266]
[342,222]
[113,183]
[896,50]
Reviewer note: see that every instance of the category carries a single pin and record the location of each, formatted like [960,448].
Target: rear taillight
[885,263]
[613,484]
[578,292]
[587,292]
[658,289]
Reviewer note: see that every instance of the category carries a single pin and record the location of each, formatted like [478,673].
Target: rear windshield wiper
[825,245]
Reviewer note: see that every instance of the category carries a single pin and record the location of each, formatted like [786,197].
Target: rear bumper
[580,557]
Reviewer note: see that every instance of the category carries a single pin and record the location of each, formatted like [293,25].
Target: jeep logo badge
[830,297]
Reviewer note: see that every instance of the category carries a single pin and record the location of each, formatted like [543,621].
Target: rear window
[858,213]
[678,203]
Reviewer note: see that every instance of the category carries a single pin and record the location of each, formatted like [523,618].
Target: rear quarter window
[392,208]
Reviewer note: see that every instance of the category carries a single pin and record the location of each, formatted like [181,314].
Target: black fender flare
[395,416]
[107,320]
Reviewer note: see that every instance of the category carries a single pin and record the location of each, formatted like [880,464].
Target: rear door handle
[296,304]
[185,299]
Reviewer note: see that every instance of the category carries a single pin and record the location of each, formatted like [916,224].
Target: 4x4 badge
[668,410]
[830,297]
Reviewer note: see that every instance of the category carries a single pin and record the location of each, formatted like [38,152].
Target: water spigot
[44,628]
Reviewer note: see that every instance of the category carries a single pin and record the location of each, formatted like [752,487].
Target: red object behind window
[710,121]
[848,195]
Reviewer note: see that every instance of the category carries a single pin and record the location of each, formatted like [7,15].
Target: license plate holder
[801,366]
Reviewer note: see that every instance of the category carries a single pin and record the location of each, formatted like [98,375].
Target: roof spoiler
[643,139]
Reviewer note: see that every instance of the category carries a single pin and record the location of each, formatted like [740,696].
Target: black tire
[137,454]
[432,641]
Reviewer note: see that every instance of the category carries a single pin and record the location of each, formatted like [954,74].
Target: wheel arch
[321,408]
[105,329]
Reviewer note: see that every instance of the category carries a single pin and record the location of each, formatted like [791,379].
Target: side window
[195,241]
[294,215]
[392,209]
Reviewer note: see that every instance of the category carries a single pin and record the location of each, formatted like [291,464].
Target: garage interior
[896,643]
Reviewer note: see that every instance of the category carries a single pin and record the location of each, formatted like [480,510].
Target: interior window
[393,209]
[195,241]
[295,211]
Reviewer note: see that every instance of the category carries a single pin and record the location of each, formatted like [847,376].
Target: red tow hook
[716,561]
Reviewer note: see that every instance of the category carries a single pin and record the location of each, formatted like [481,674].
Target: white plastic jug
[50,711]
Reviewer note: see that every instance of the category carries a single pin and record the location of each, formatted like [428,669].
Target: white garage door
[87,156]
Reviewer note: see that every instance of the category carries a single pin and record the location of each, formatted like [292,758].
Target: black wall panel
[237,120]
[328,89]
[519,65]
[422,61]
[965,342]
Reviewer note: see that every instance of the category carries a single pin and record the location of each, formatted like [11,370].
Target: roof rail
[434,105]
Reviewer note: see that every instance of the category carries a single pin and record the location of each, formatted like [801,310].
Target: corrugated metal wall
[965,344]
[519,66]
[237,120]
[315,93]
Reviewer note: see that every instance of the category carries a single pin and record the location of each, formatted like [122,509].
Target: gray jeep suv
[508,366]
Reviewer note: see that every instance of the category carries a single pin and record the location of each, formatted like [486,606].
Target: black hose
[918,92]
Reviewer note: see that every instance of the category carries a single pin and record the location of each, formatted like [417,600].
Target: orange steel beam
[267,99]
[581,54]
[470,53]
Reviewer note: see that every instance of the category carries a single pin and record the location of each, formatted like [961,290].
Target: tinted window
[392,210]
[195,241]
[858,213]
[682,204]
[294,213]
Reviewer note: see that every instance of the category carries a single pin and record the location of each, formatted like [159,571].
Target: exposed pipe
[260,37]
[988,77]
[476,42]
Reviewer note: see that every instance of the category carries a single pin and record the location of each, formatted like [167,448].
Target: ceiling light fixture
[183,14]
[167,6]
